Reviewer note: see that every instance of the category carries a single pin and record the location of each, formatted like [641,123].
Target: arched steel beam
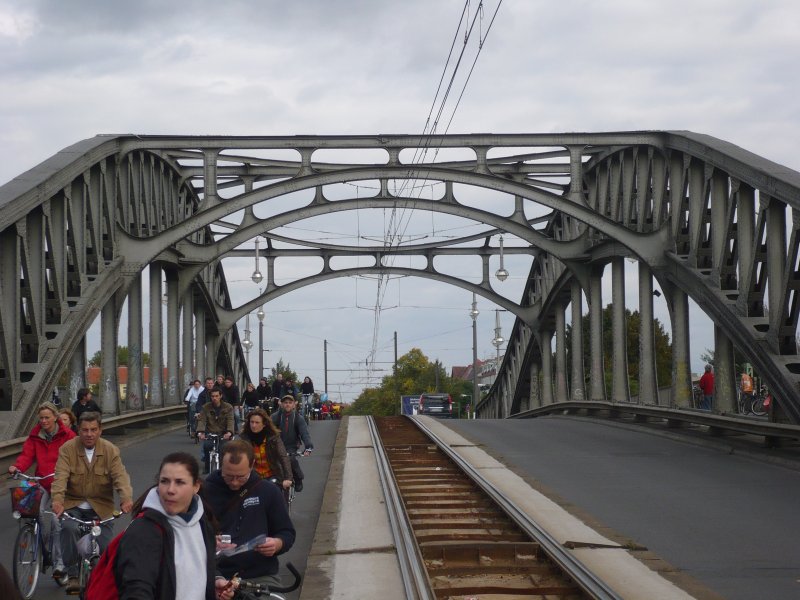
[649,247]
[228,317]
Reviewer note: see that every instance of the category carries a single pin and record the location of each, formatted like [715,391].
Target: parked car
[436,405]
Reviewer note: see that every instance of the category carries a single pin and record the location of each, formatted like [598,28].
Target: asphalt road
[142,459]
[730,521]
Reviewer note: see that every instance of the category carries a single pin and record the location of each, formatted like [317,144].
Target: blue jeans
[706,404]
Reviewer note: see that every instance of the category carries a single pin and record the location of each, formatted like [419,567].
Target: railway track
[454,540]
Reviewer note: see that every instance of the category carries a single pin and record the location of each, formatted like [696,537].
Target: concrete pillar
[681,367]
[725,376]
[135,388]
[619,388]
[648,386]
[562,388]
[576,350]
[173,339]
[109,386]
[156,384]
[547,367]
[188,371]
[596,375]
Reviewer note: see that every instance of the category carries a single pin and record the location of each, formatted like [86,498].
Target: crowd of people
[182,539]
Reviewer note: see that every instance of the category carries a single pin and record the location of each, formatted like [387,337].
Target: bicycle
[88,547]
[246,590]
[31,555]
[308,407]
[744,403]
[761,402]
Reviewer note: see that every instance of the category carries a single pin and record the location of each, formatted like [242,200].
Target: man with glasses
[250,510]
[293,430]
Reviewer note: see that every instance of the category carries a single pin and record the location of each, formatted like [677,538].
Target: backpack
[102,584]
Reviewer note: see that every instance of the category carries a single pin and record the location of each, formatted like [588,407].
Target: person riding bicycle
[168,551]
[215,417]
[41,447]
[250,398]
[271,458]
[746,389]
[84,403]
[249,510]
[294,430]
[190,398]
[88,471]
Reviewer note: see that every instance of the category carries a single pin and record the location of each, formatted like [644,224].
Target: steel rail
[409,557]
[583,577]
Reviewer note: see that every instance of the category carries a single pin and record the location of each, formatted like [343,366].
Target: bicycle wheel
[290,499]
[27,560]
[757,408]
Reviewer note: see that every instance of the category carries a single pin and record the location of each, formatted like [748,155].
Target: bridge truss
[704,219]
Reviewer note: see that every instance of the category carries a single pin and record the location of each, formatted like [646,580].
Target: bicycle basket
[26,499]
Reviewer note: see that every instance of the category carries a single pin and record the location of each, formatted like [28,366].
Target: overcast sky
[71,70]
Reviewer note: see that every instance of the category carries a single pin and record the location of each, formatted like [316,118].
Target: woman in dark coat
[271,458]
[168,550]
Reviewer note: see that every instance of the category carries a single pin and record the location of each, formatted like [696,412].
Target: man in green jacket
[88,472]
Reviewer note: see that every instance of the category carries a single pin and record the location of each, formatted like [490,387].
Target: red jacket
[707,383]
[37,449]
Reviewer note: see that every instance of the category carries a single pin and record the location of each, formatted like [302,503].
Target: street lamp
[260,314]
[498,340]
[257,277]
[473,313]
[501,273]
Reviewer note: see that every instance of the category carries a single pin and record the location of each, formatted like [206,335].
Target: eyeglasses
[236,477]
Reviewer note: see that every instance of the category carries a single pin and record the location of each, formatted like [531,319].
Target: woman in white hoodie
[168,549]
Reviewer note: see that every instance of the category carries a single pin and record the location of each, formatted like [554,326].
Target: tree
[415,375]
[284,370]
[123,356]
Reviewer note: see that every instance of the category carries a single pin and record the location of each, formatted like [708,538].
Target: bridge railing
[717,423]
[13,447]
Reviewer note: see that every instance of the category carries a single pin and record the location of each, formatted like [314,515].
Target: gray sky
[71,70]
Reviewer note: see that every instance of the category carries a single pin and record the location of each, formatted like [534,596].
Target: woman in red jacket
[41,447]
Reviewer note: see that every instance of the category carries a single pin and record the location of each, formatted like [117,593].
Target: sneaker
[60,575]
[73,586]
[298,485]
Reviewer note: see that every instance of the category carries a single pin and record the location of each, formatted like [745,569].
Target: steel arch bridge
[704,219]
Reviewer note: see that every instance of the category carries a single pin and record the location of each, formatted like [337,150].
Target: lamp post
[497,341]
[257,276]
[260,314]
[474,312]
[501,273]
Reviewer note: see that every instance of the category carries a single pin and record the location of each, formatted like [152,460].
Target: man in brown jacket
[88,471]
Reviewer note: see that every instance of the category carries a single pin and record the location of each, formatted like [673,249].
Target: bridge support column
[547,367]
[109,384]
[562,388]
[535,400]
[576,347]
[77,371]
[620,390]
[212,351]
[596,374]
[681,371]
[724,373]
[648,385]
[187,346]
[155,388]
[135,395]
[173,339]
[776,268]
[200,342]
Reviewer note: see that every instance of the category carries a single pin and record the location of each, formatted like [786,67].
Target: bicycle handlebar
[115,515]
[19,474]
[260,588]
